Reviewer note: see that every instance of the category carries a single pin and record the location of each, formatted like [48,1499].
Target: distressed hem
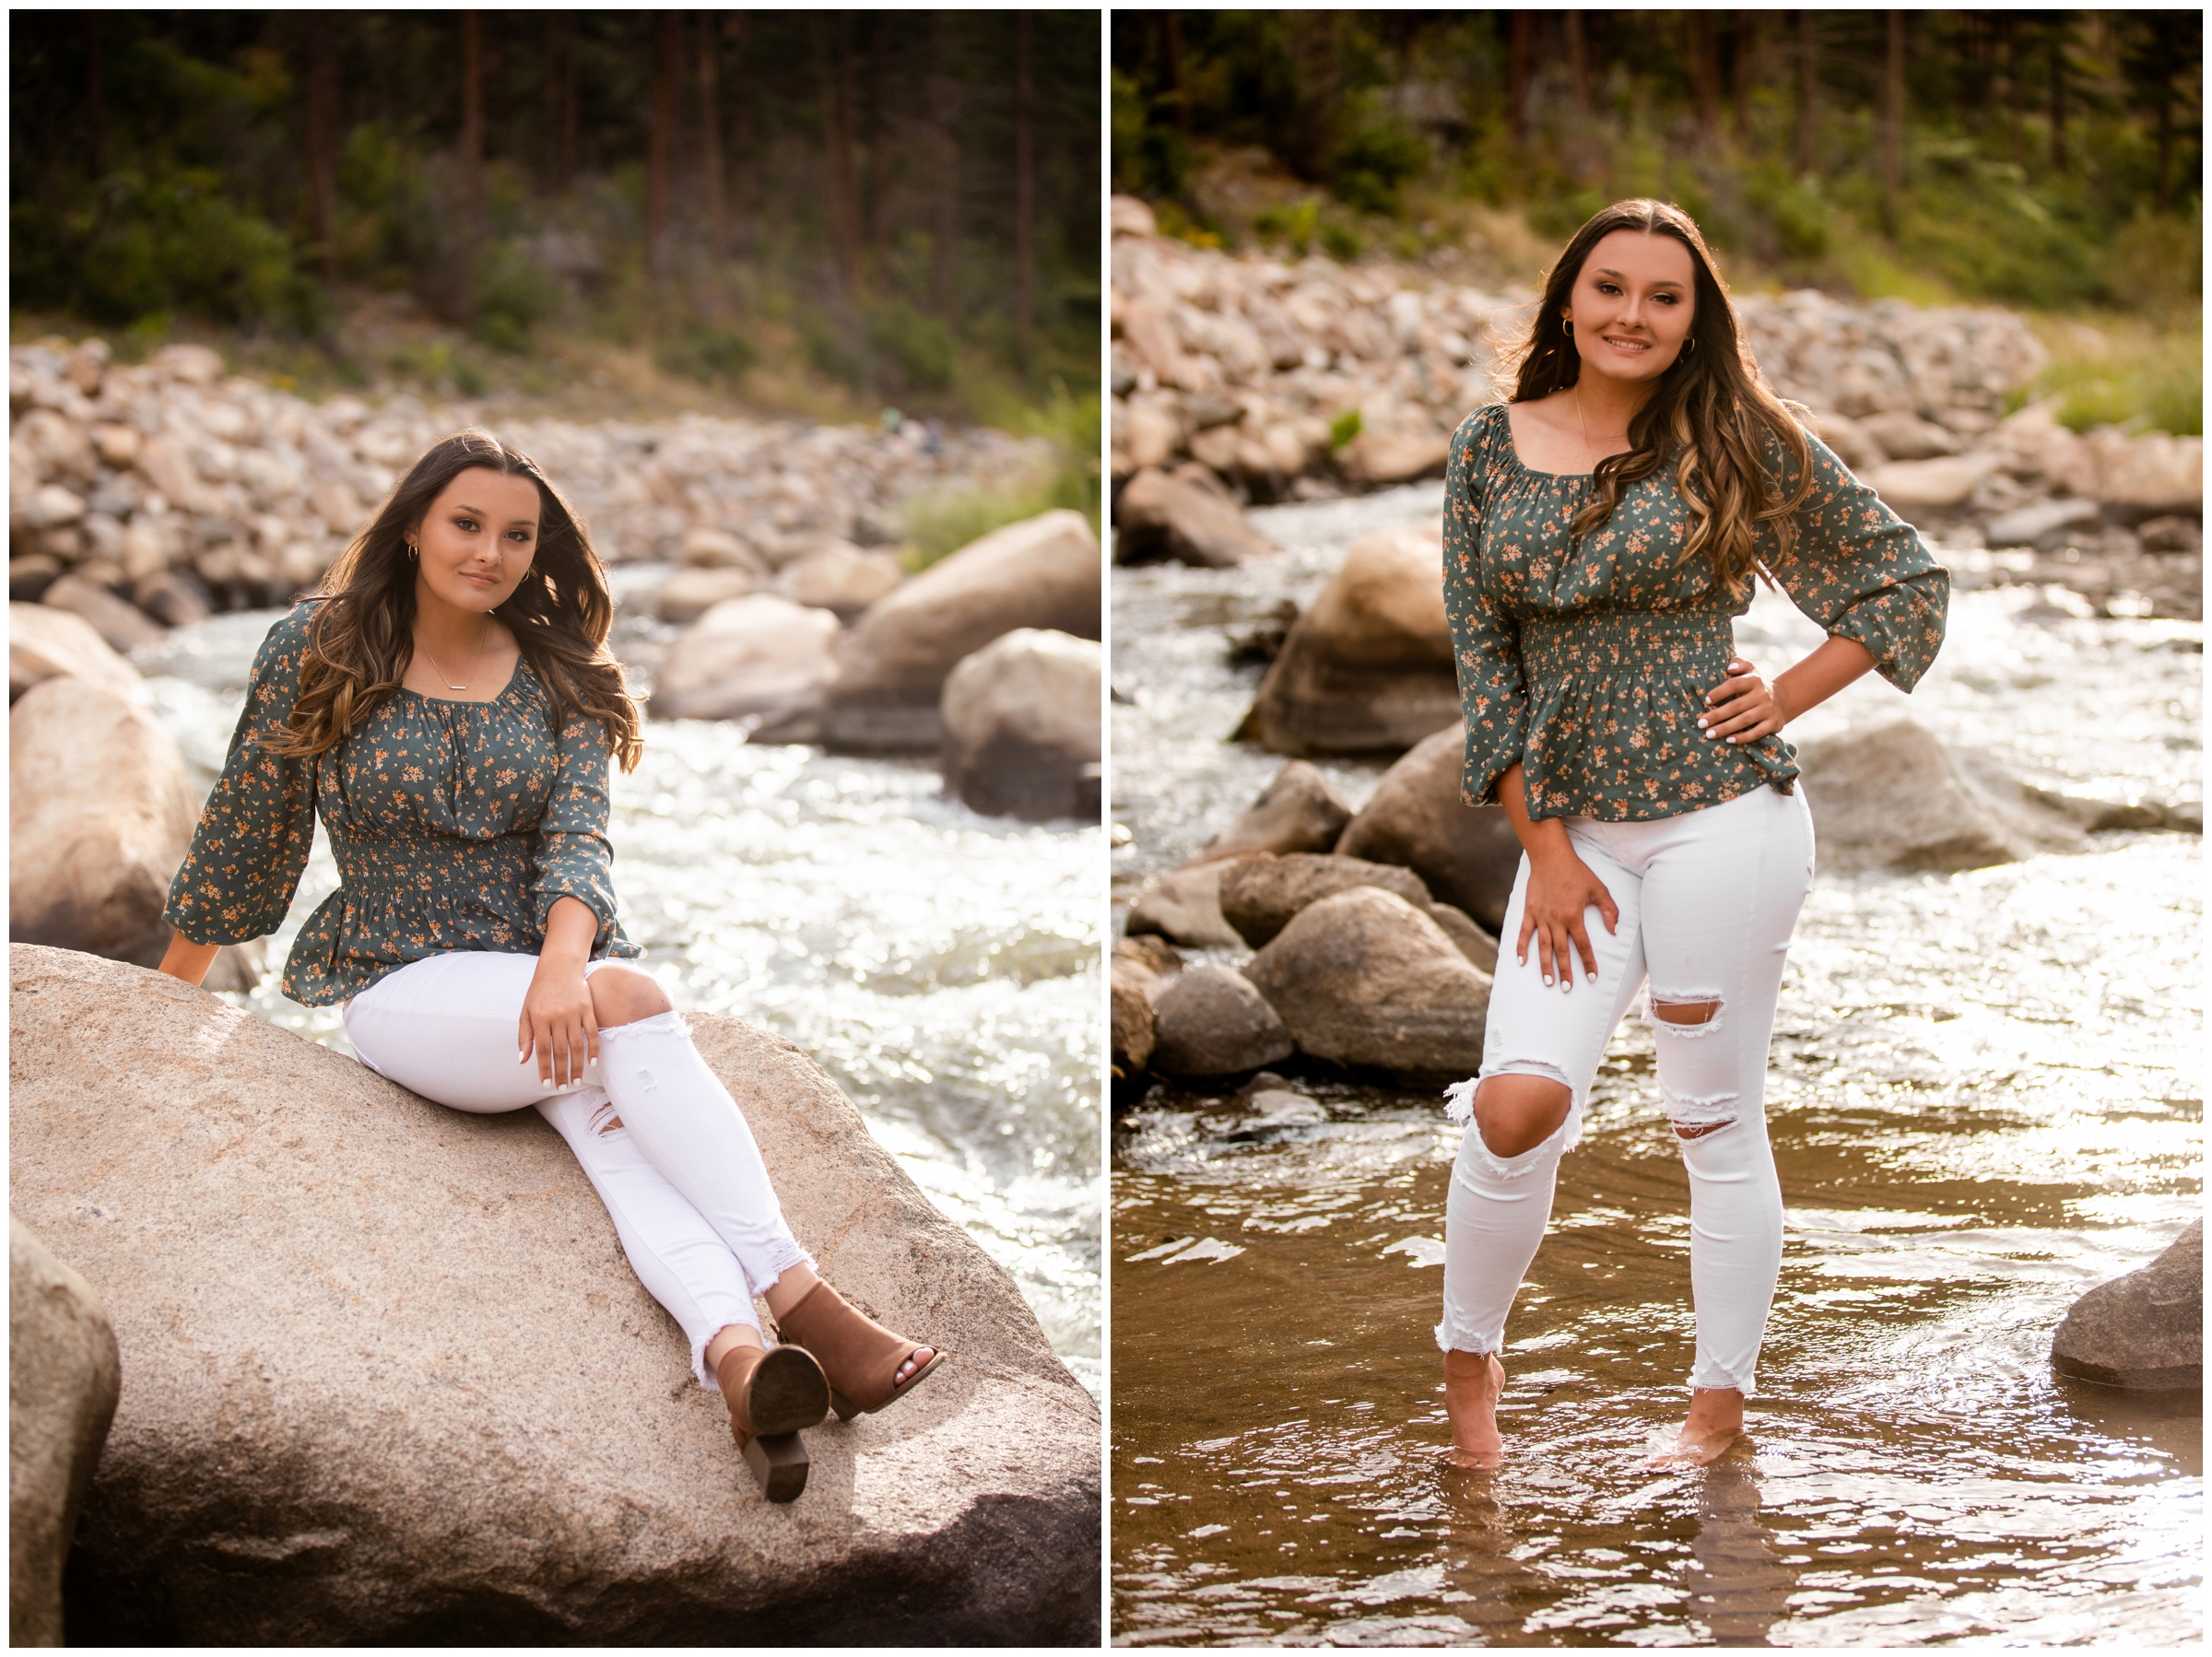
[1449,1339]
[1709,1375]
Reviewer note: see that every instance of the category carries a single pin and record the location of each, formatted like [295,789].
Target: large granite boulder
[892,663]
[1186,516]
[393,1382]
[1184,906]
[61,1381]
[1368,669]
[46,643]
[1211,1021]
[1260,893]
[1298,811]
[1467,854]
[1364,978]
[756,655]
[2146,1330]
[1023,721]
[1892,795]
[122,624]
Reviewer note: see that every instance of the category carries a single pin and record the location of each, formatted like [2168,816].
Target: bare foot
[1716,1422]
[1473,1384]
[906,1370]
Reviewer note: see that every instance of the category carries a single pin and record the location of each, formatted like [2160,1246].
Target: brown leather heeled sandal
[772,1396]
[861,1357]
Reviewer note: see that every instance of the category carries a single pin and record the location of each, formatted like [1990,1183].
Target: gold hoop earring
[1569,326]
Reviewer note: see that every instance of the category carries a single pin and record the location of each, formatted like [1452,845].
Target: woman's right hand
[187,961]
[1562,891]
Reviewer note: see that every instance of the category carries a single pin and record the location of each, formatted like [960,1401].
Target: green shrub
[513,298]
[913,351]
[1343,429]
[1374,159]
[1340,242]
[710,355]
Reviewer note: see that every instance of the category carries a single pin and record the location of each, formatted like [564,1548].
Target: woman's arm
[1560,889]
[558,1023]
[188,960]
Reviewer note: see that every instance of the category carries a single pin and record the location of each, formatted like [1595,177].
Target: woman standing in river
[1600,530]
[449,708]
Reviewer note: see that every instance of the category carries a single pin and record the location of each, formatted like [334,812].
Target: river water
[942,966]
[1984,1098]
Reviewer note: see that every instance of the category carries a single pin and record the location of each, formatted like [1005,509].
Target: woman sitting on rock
[448,707]
[1600,530]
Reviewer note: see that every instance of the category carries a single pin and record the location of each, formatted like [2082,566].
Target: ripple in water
[1984,1096]
[942,966]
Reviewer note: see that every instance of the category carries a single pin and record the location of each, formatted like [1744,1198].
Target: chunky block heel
[779,1461]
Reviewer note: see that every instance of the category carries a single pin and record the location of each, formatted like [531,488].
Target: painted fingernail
[1547,978]
[1700,722]
[1593,978]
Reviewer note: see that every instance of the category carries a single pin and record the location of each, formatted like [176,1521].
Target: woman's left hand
[558,1023]
[1741,708]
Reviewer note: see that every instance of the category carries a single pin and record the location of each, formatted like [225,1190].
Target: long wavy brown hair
[362,634]
[1709,417]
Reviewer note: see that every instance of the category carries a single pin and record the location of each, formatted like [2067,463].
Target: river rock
[2144,1330]
[1043,572]
[1905,436]
[707,547]
[44,643]
[1468,855]
[1185,905]
[1130,216]
[2042,525]
[1367,668]
[101,813]
[1211,1021]
[1159,516]
[690,593]
[1022,722]
[1298,811]
[1381,458]
[62,1380]
[757,654]
[1894,797]
[122,624]
[1918,490]
[1365,978]
[2138,476]
[1260,893]
[1470,940]
[1140,967]
[2172,532]
[1853,445]
[422,1397]
[841,576]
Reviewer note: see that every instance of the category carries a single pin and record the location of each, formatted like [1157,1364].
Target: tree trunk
[1743,40]
[661,146]
[323,146]
[1025,188]
[1578,63]
[472,114]
[875,149]
[1808,95]
[1516,74]
[741,177]
[1704,75]
[2058,95]
[1893,122]
[946,198]
[2166,145]
[1171,71]
[96,103]
[836,153]
[709,135]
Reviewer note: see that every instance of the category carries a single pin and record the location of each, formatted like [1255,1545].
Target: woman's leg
[1541,1049]
[1721,895]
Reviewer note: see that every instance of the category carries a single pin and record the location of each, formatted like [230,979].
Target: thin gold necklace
[1581,422]
[446,676]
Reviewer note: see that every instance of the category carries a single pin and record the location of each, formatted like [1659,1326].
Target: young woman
[448,707]
[1600,530]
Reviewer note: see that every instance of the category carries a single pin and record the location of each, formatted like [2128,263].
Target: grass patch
[945,521]
[2116,369]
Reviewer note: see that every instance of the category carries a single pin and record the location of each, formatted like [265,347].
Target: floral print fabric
[1589,661]
[455,825]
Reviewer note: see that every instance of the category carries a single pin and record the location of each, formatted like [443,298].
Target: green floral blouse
[1589,662]
[455,825]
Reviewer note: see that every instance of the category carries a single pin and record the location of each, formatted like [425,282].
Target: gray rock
[1259,894]
[1044,572]
[1468,855]
[2146,1330]
[1298,811]
[393,1382]
[1159,516]
[1364,978]
[1470,940]
[1185,905]
[2042,526]
[62,1380]
[1023,718]
[1368,669]
[1211,1021]
[1893,796]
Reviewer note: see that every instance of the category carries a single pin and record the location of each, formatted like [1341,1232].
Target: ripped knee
[1517,1110]
[1686,1010]
[623,995]
[1695,1118]
[604,1121]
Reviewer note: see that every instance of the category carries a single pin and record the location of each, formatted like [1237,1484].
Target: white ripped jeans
[1708,900]
[681,1176]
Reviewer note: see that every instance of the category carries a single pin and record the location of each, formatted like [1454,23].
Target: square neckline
[1512,451]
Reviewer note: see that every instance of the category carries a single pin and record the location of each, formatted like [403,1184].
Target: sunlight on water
[941,966]
[1984,1098]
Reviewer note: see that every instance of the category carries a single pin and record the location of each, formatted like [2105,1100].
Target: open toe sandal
[861,1357]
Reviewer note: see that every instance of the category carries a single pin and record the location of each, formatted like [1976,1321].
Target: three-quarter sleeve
[574,857]
[259,823]
[1486,645]
[1861,571]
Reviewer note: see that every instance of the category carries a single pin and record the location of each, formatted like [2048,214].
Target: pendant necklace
[447,677]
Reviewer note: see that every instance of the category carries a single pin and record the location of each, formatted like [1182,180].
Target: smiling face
[475,543]
[1633,304]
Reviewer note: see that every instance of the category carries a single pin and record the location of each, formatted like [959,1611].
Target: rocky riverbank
[422,1397]
[1245,379]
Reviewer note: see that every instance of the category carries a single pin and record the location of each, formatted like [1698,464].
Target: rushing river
[942,966]
[1984,1098]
